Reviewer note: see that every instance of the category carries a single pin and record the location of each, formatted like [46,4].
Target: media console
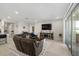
[47,35]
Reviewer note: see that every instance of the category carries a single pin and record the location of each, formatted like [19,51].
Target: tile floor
[50,48]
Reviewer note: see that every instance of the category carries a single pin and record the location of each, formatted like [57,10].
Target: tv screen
[46,26]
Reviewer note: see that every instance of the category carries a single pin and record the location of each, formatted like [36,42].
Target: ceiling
[29,12]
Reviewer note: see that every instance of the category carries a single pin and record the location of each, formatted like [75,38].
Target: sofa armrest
[38,47]
[36,43]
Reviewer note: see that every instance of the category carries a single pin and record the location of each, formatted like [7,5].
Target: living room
[39,29]
[33,29]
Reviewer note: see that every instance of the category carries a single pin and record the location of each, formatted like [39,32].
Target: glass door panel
[68,32]
[75,31]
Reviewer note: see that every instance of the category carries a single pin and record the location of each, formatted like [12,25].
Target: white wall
[64,31]
[2,26]
[57,28]
[30,27]
[19,27]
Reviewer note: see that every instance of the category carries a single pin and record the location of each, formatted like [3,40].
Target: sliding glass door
[75,31]
[72,31]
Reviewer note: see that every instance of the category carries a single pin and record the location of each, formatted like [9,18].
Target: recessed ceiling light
[16,12]
[9,17]
[73,14]
[57,17]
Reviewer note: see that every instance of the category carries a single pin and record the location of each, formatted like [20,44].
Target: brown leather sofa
[17,43]
[29,46]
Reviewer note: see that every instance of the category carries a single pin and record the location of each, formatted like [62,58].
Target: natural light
[77,26]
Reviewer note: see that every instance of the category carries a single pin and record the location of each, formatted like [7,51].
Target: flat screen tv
[46,26]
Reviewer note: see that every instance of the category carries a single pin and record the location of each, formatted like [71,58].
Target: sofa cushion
[28,46]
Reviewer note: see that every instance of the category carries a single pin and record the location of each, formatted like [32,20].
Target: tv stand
[47,35]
